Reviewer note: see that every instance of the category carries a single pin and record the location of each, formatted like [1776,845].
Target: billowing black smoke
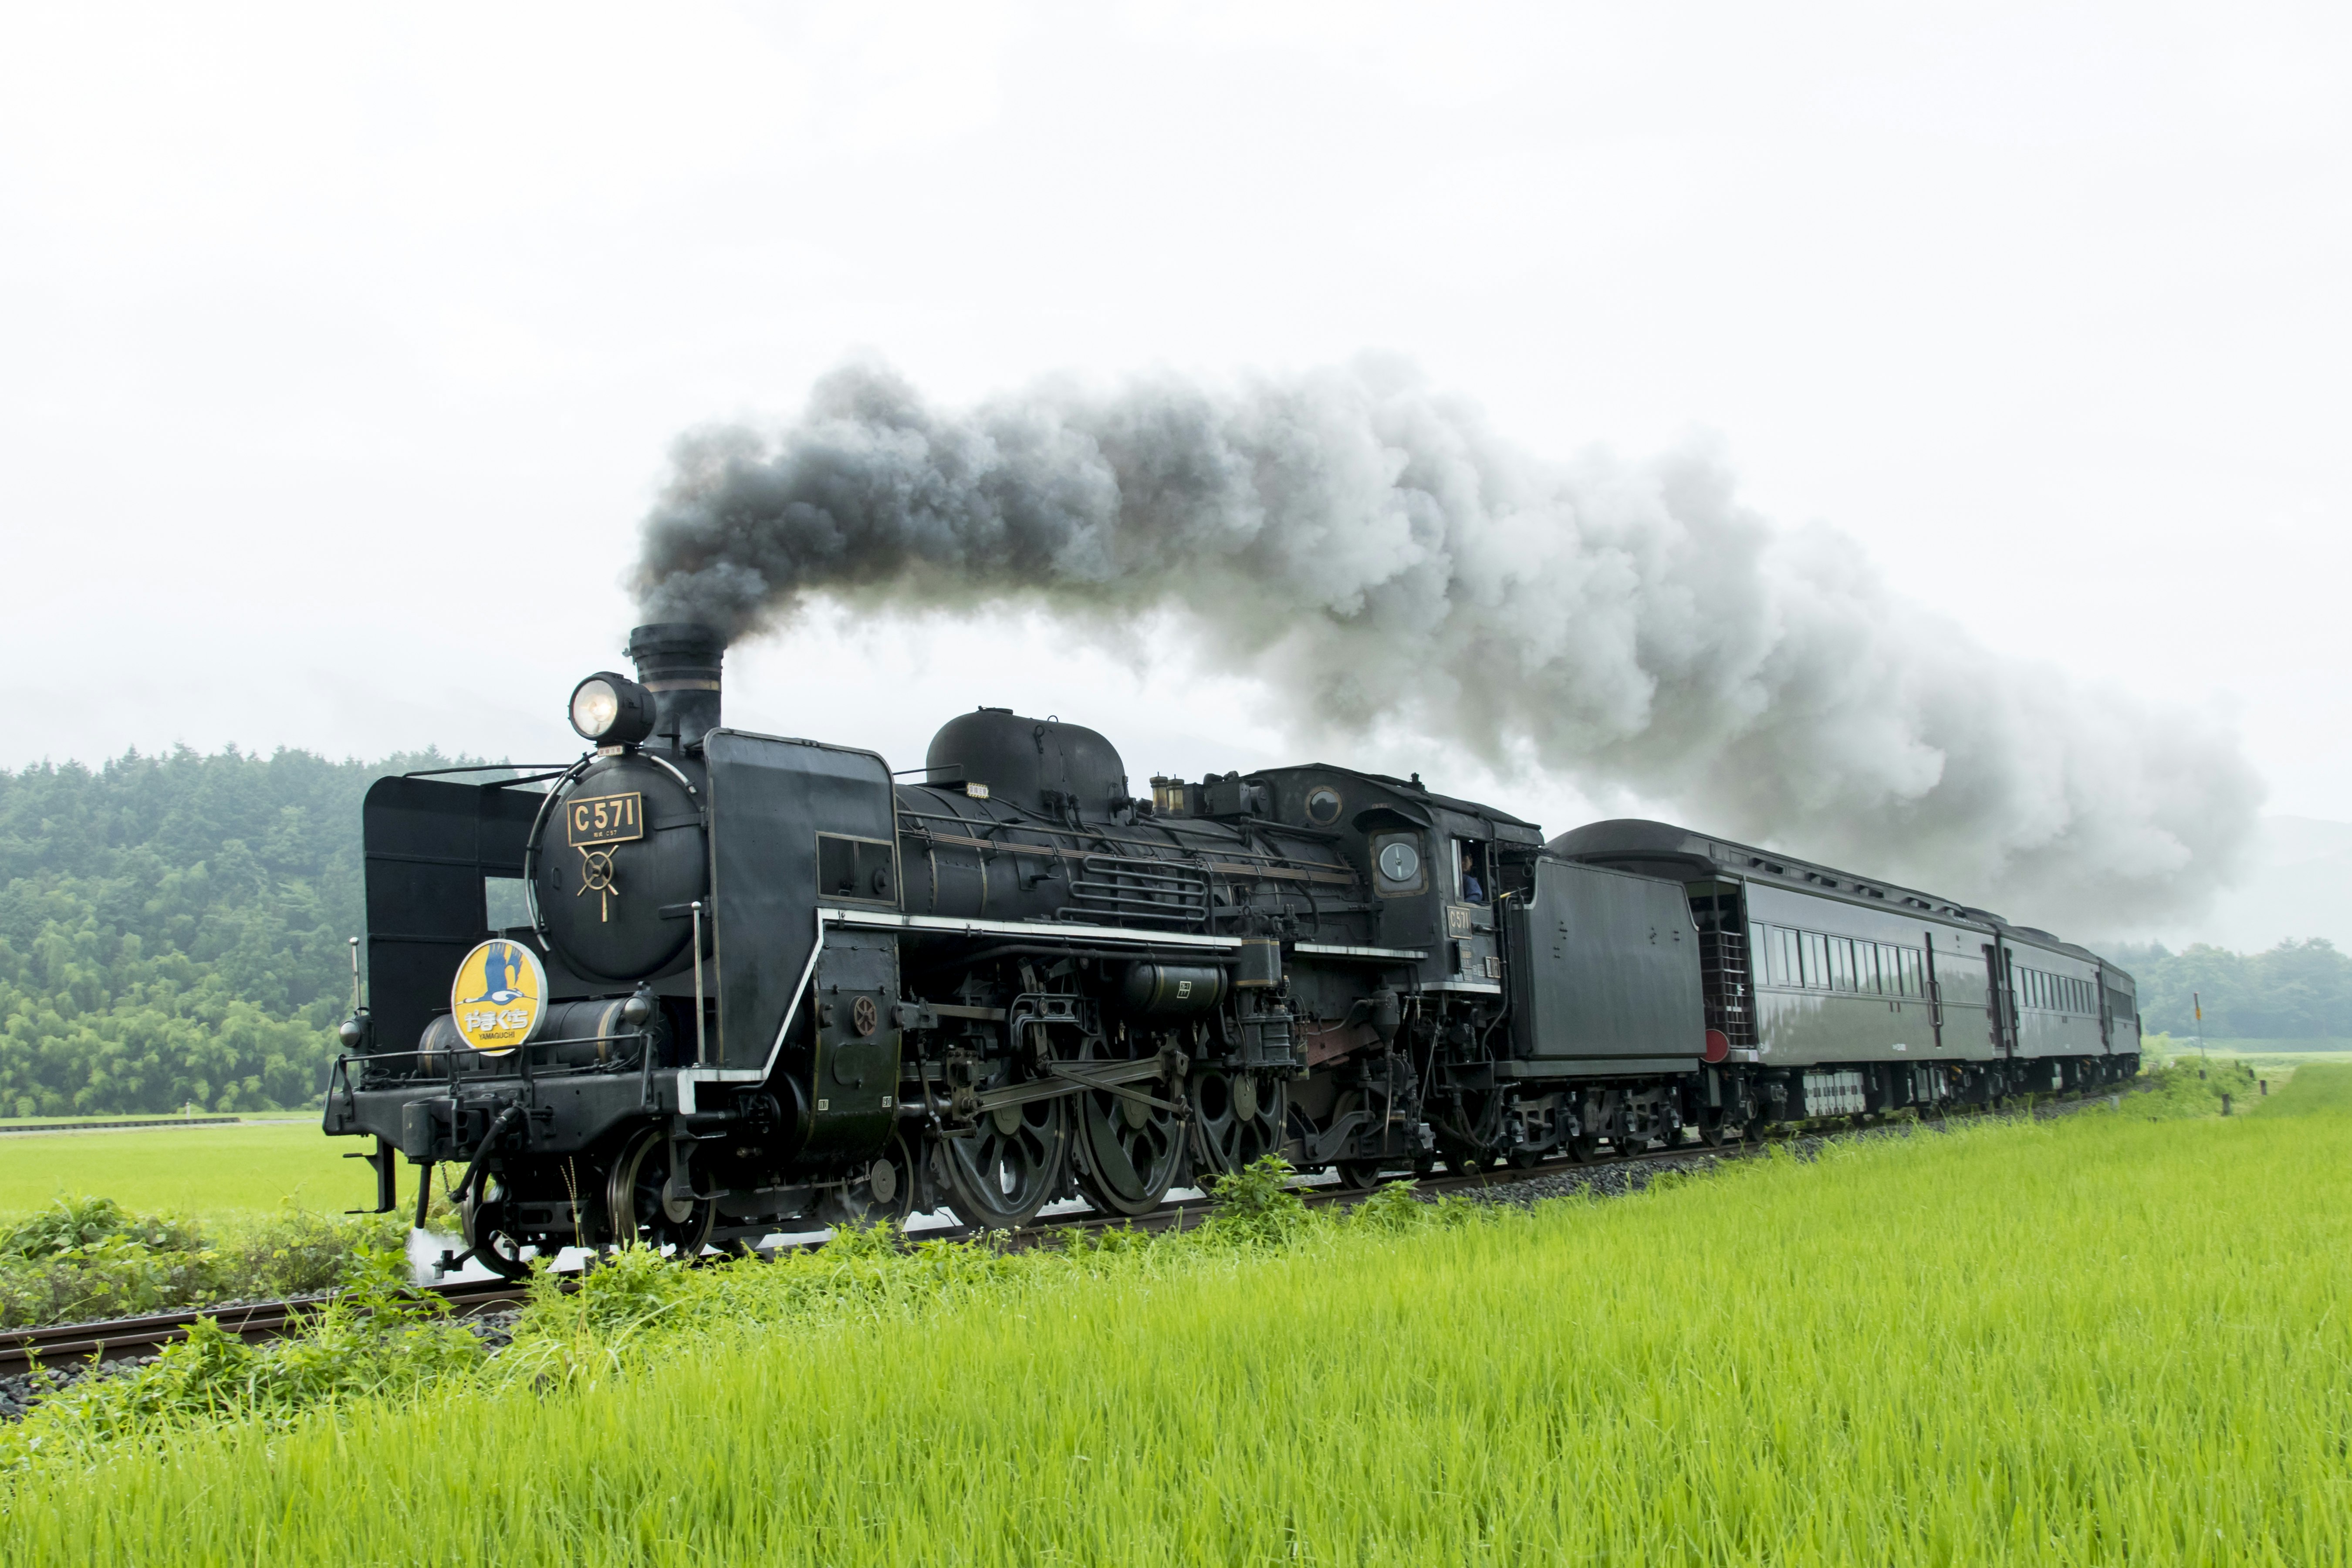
[1372,554]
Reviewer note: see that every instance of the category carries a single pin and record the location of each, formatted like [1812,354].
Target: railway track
[119,1338]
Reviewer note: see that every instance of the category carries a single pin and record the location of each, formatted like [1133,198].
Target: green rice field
[2320,1089]
[2099,1339]
[2275,1056]
[247,1168]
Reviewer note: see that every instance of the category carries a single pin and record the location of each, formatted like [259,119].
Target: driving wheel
[1237,1115]
[1008,1164]
[1130,1152]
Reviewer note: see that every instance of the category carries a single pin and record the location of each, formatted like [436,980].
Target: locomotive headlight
[612,710]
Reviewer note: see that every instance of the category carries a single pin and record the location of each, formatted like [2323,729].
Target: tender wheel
[1130,1153]
[1001,1171]
[642,1212]
[496,1246]
[883,1191]
[1362,1175]
[1715,1129]
[1236,1117]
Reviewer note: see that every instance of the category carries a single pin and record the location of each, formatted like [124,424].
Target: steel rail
[118,1339]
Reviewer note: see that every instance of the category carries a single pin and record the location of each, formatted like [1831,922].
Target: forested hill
[2299,990]
[173,929]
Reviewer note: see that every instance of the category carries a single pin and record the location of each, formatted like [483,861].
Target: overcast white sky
[340,352]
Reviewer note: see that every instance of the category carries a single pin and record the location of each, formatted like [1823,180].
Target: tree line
[174,929]
[2297,990]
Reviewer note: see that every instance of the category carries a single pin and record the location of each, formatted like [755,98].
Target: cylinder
[677,661]
[1172,987]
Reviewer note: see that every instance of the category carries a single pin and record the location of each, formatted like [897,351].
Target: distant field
[187,1169]
[2321,1088]
[11,1122]
[2285,1056]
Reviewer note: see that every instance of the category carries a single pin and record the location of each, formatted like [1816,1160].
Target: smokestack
[677,661]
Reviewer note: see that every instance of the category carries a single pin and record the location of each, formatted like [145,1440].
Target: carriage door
[2002,991]
[1934,994]
[1726,983]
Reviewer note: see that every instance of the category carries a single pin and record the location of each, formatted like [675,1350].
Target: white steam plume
[1374,554]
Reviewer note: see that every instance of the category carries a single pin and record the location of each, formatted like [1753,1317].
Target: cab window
[1473,880]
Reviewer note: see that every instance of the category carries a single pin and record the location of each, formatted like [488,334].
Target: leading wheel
[643,1210]
[494,1242]
[881,1190]
[1008,1164]
[1237,1115]
[1129,1151]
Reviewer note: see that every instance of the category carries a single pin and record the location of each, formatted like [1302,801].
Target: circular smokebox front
[621,860]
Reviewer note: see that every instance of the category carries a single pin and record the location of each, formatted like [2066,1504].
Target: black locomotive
[760,983]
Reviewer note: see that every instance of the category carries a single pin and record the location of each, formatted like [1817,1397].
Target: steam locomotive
[760,983]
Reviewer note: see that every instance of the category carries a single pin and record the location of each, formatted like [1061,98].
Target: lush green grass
[2192,1088]
[2314,1090]
[194,1171]
[2100,1339]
